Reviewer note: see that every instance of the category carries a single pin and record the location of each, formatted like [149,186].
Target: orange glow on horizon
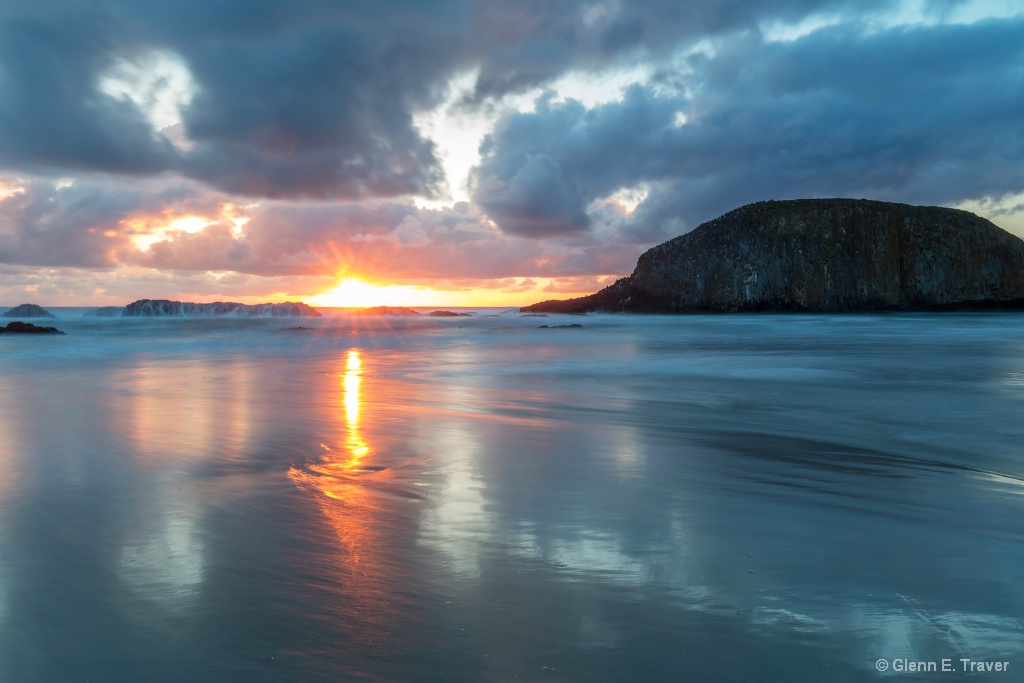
[354,292]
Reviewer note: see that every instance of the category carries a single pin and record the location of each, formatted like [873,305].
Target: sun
[350,292]
[355,293]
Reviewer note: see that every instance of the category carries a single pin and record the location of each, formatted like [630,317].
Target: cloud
[317,113]
[315,98]
[45,224]
[87,287]
[389,240]
[89,223]
[533,42]
[310,100]
[51,114]
[571,285]
[301,119]
[922,115]
[174,227]
[534,200]
[541,169]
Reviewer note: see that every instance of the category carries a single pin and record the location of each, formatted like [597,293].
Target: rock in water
[106,312]
[28,311]
[185,309]
[18,327]
[823,255]
[384,310]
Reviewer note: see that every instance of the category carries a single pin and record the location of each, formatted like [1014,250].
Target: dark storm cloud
[310,98]
[322,112]
[541,170]
[924,115]
[290,99]
[535,199]
[51,115]
[531,42]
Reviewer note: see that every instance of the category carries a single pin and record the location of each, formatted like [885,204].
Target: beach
[729,498]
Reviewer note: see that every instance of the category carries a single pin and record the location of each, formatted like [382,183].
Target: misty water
[696,498]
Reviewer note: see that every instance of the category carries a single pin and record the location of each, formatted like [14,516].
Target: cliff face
[825,255]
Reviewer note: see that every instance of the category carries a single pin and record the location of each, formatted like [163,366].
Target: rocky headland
[28,311]
[822,255]
[184,309]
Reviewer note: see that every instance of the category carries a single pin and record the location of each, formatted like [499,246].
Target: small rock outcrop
[184,309]
[106,312]
[385,310]
[28,311]
[822,255]
[449,314]
[19,327]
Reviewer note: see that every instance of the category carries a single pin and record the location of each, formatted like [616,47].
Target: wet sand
[762,498]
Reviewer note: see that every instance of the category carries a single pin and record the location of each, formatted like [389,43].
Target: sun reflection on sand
[340,489]
[354,443]
[347,493]
[356,447]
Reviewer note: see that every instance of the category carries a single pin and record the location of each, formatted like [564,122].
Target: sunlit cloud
[10,189]
[145,233]
[781,32]
[148,230]
[1007,212]
[157,82]
[931,13]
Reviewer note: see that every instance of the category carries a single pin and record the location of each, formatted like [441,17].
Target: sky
[469,152]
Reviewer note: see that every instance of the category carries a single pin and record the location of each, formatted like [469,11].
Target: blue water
[694,498]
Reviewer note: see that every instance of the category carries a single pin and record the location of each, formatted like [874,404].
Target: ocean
[774,498]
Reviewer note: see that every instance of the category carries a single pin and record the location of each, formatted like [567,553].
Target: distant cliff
[825,255]
[184,309]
